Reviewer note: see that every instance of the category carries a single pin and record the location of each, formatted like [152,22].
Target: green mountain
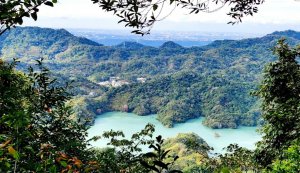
[177,83]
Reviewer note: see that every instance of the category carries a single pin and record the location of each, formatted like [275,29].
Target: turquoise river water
[130,123]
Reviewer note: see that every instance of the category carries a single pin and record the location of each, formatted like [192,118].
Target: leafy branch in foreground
[156,161]
[12,12]
[138,14]
[37,133]
[126,152]
[142,15]
[290,161]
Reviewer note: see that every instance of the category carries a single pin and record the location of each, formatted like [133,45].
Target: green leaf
[26,14]
[152,146]
[225,170]
[160,164]
[8,165]
[34,16]
[49,3]
[53,169]
[63,163]
[13,152]
[164,154]
[155,6]
[159,138]
[150,154]
[146,165]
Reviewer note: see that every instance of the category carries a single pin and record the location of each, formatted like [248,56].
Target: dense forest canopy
[38,134]
[214,81]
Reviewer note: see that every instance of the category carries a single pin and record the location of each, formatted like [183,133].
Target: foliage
[123,154]
[226,72]
[36,131]
[238,159]
[127,155]
[155,161]
[136,14]
[142,15]
[39,135]
[12,12]
[191,149]
[13,85]
[186,95]
[289,162]
[280,104]
[35,43]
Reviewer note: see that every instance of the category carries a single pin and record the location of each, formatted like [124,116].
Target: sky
[83,14]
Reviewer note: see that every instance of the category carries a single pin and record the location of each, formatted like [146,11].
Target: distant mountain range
[157,38]
[178,83]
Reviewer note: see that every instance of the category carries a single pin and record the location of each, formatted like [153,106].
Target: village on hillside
[118,82]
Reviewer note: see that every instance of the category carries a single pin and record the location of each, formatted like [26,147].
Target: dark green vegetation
[13,11]
[186,95]
[35,124]
[181,83]
[280,93]
[39,134]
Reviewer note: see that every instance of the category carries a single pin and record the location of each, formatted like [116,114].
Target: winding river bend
[130,123]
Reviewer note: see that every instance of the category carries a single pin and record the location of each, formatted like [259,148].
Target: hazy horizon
[184,38]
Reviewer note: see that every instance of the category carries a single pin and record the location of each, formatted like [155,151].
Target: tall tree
[280,93]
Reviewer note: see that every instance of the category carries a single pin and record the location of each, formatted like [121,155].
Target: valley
[212,81]
[149,86]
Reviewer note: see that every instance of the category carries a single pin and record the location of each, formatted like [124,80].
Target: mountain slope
[31,42]
[181,83]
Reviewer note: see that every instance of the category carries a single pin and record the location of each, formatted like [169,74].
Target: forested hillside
[179,83]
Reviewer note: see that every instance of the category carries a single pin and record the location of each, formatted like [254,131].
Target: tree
[156,160]
[13,11]
[140,15]
[37,133]
[290,162]
[280,94]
